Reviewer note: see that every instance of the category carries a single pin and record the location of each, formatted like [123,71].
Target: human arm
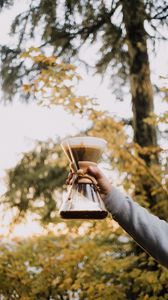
[150,232]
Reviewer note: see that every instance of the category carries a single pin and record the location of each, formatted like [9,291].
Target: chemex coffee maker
[84,200]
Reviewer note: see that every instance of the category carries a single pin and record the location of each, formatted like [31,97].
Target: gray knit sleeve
[150,232]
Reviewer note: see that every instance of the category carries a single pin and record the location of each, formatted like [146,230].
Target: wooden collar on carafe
[82,175]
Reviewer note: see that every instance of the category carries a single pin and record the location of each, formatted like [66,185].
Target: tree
[44,169]
[64,266]
[32,183]
[123,41]
[115,263]
[123,44]
[119,28]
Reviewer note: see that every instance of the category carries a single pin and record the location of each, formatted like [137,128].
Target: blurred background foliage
[90,259]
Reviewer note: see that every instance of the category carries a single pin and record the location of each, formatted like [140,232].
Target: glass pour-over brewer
[83,201]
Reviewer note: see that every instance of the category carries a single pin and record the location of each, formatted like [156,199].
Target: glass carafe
[84,200]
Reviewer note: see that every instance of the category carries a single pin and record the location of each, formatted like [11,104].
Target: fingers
[102,182]
[95,171]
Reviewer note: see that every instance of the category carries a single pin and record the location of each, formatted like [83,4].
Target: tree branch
[147,169]
[158,16]
[24,27]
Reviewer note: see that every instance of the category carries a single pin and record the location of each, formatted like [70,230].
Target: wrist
[108,189]
[105,191]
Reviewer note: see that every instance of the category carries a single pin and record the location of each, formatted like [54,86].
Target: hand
[102,182]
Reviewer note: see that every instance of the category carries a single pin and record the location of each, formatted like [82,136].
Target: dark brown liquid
[84,214]
[83,153]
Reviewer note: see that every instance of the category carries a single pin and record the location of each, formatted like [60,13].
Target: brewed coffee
[84,214]
[83,201]
[83,153]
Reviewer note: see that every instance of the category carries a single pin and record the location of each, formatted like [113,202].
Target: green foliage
[94,260]
[67,27]
[36,182]
[128,161]
[95,265]
[6,3]
[33,182]
[55,82]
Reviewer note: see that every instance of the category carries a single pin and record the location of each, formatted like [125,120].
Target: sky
[22,124]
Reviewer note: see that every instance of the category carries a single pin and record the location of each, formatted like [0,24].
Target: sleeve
[150,232]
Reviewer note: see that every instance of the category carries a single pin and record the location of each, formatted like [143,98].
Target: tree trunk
[141,87]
